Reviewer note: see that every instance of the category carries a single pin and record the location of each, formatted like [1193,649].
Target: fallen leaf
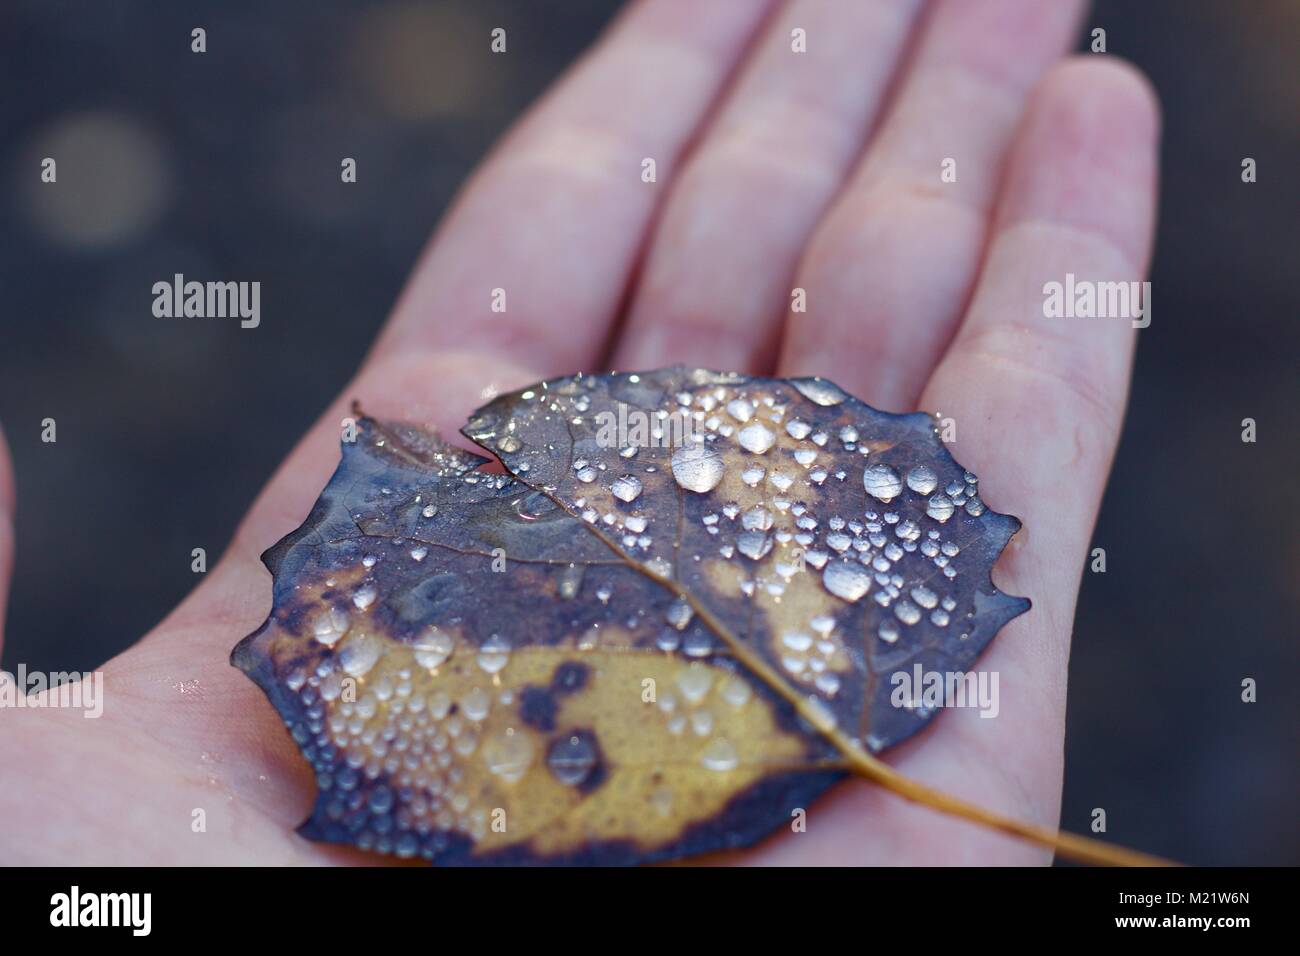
[528,714]
[667,631]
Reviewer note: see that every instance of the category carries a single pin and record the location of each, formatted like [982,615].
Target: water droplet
[330,625]
[797,429]
[571,581]
[429,511]
[432,648]
[419,553]
[694,682]
[924,597]
[819,390]
[740,410]
[882,482]
[940,508]
[922,479]
[753,544]
[533,506]
[626,488]
[797,642]
[476,704]
[908,530]
[719,755]
[680,613]
[508,755]
[756,519]
[846,579]
[907,612]
[571,760]
[439,705]
[697,468]
[660,567]
[364,596]
[756,437]
[828,684]
[494,654]
[359,653]
[509,444]
[736,691]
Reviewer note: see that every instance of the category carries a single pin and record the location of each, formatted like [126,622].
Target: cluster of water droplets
[392,751]
[691,705]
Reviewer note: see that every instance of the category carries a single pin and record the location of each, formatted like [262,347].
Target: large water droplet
[940,508]
[740,410]
[924,596]
[476,704]
[432,648]
[330,625]
[882,482]
[494,654]
[359,653]
[364,596]
[626,488]
[534,506]
[753,544]
[847,579]
[680,613]
[697,468]
[756,437]
[922,479]
[571,760]
[907,612]
[508,755]
[819,390]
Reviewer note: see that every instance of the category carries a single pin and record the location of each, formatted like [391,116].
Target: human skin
[775,171]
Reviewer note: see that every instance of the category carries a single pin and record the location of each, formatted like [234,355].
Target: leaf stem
[864,764]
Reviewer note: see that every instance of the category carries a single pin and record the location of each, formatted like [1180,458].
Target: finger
[890,268]
[534,258]
[1038,404]
[640,92]
[555,220]
[718,274]
[7,502]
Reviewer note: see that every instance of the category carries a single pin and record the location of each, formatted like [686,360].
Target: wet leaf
[670,625]
[841,543]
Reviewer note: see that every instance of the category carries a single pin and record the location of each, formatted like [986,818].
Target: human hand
[920,293]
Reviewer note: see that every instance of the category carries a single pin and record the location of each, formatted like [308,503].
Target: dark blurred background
[226,166]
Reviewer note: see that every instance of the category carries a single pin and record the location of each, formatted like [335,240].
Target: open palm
[774,171]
